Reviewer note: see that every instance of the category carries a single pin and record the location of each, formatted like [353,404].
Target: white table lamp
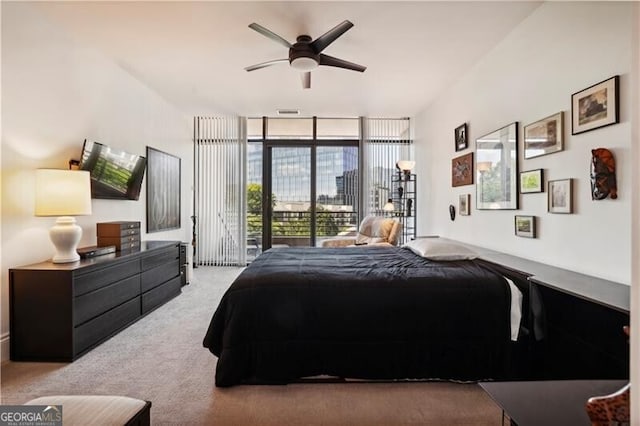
[63,193]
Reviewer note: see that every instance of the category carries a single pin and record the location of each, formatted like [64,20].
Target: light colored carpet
[161,359]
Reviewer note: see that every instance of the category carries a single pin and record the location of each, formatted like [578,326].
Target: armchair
[373,230]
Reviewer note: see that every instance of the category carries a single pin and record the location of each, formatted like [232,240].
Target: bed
[364,313]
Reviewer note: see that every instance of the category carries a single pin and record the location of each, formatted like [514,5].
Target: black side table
[549,403]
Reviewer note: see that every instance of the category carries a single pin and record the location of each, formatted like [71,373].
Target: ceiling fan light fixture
[304,64]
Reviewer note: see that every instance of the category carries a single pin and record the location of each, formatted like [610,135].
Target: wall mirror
[497,169]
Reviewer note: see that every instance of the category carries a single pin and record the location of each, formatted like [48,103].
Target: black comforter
[366,312]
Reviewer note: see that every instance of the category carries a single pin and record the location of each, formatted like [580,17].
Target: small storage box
[123,235]
[118,229]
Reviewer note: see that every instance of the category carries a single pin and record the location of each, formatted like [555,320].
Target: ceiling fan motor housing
[302,56]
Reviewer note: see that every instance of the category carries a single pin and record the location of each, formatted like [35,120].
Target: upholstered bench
[99,410]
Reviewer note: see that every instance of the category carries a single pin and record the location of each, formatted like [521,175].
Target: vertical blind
[384,141]
[220,190]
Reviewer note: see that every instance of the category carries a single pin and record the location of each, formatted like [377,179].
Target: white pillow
[437,249]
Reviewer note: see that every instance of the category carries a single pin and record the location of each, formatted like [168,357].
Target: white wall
[56,93]
[561,48]
[635,245]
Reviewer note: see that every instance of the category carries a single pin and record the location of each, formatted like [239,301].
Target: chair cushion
[374,229]
[93,409]
[339,242]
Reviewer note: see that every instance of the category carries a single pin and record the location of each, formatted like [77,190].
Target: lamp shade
[63,192]
[389,206]
[406,165]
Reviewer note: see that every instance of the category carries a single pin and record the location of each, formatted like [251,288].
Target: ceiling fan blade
[340,63]
[319,44]
[306,79]
[269,34]
[266,64]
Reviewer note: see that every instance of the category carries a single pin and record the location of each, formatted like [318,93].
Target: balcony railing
[293,229]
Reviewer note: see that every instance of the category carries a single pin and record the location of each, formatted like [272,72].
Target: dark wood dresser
[59,312]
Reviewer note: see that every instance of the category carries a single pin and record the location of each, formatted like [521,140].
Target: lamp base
[65,235]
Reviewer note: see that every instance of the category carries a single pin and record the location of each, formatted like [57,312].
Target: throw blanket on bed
[367,312]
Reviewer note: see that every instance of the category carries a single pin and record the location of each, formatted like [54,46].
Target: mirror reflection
[497,170]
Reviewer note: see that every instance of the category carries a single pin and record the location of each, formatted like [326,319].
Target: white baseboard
[4,347]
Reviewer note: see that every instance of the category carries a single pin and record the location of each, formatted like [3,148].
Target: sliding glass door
[336,191]
[290,196]
[312,193]
[306,173]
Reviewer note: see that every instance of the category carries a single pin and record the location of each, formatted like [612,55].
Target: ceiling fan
[306,54]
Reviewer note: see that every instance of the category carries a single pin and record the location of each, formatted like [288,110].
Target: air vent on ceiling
[288,112]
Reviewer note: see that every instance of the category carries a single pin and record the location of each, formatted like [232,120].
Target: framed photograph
[163,191]
[544,136]
[525,226]
[497,169]
[461,137]
[464,204]
[559,196]
[462,170]
[532,181]
[596,106]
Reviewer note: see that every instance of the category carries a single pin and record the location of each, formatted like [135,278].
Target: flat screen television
[115,174]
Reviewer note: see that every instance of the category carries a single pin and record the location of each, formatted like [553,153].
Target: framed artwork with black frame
[163,191]
[525,226]
[560,196]
[544,136]
[461,137]
[596,106]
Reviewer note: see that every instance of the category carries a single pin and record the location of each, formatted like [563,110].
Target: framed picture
[532,181]
[462,170]
[559,196]
[596,106]
[163,191]
[461,137]
[525,226]
[464,204]
[497,169]
[544,136]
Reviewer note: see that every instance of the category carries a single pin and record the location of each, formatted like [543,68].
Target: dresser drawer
[92,304]
[129,242]
[160,257]
[97,279]
[160,294]
[160,274]
[102,327]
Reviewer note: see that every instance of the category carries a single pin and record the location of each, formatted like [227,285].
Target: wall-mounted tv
[115,174]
